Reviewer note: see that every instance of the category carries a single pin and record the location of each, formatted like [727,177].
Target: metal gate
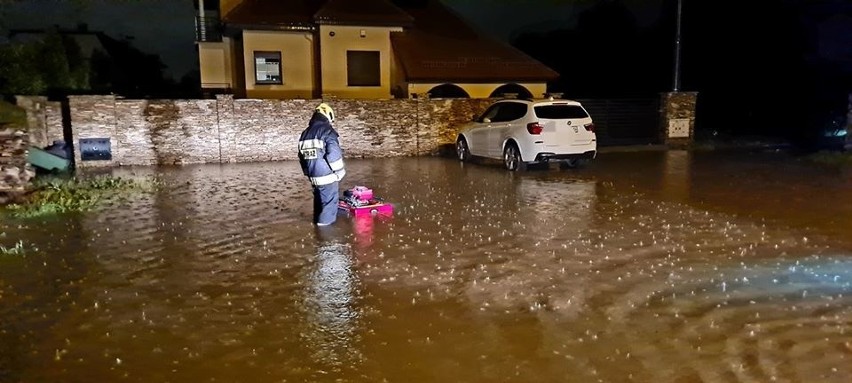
[626,121]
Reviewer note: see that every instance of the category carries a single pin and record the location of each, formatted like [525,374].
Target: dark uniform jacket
[319,152]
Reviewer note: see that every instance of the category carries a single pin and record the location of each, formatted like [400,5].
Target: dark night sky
[505,19]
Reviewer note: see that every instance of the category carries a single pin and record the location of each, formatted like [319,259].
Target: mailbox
[95,149]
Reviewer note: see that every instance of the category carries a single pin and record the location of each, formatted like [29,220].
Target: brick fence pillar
[93,117]
[678,118]
[35,107]
[15,172]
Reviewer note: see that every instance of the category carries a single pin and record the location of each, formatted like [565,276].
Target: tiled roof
[306,14]
[274,14]
[362,12]
[442,47]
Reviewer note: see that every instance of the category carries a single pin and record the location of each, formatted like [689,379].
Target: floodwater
[645,266]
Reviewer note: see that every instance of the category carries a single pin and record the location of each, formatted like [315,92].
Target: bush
[51,64]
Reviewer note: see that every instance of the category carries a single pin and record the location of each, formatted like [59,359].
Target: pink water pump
[360,201]
[362,193]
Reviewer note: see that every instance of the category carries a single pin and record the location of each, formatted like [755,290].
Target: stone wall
[44,119]
[15,173]
[148,132]
[225,130]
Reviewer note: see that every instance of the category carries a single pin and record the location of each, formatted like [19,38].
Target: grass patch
[12,115]
[59,196]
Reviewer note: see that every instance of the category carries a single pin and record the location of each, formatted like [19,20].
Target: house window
[267,68]
[362,68]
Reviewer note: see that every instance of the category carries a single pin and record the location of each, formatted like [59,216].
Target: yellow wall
[297,69]
[216,64]
[480,90]
[333,55]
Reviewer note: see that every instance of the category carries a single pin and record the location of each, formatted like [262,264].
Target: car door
[478,142]
[509,117]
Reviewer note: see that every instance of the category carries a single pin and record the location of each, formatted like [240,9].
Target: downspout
[317,92]
[202,27]
[417,125]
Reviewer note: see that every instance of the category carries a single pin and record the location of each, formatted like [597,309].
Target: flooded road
[646,267]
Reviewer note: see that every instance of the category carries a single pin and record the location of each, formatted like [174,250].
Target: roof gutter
[365,23]
[317,65]
[270,27]
[483,80]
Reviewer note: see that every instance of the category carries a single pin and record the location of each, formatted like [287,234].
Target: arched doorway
[448,91]
[511,89]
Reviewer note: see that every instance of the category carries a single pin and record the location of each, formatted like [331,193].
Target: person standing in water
[322,162]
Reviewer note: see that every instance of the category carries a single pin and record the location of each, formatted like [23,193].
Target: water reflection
[551,200]
[331,305]
[671,266]
[676,176]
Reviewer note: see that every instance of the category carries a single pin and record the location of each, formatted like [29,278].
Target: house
[366,49]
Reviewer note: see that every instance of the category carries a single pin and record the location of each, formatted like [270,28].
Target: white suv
[523,132]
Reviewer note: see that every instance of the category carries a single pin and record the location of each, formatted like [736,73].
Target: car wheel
[512,158]
[462,150]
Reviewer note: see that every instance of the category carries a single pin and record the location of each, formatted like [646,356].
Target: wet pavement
[644,266]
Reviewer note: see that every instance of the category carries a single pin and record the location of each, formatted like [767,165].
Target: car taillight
[534,128]
[590,127]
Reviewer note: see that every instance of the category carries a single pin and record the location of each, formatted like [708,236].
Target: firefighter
[322,162]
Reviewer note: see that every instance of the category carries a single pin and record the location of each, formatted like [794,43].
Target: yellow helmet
[326,111]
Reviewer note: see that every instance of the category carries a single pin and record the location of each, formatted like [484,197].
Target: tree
[17,76]
[53,64]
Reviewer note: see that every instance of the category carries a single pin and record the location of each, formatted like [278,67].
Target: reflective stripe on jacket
[319,152]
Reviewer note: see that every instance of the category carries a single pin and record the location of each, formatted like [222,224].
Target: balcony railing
[208,29]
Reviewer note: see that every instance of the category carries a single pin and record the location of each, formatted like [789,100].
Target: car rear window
[560,112]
